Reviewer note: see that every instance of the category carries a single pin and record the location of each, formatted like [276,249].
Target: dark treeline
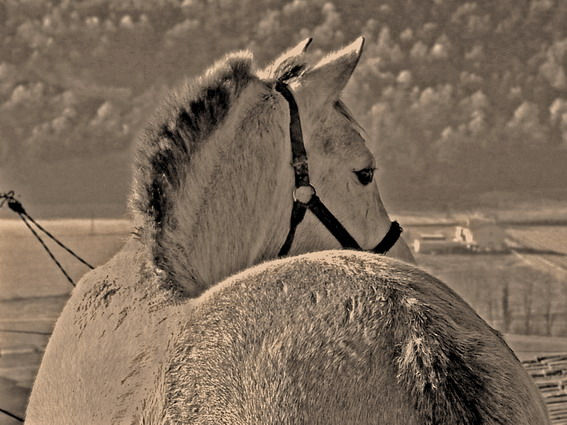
[456,96]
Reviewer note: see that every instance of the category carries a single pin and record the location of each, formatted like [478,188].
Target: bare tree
[505,303]
[548,304]
[527,297]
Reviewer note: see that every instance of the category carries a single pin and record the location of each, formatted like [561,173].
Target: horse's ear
[326,80]
[289,64]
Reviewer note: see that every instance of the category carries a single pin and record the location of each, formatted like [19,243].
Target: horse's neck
[233,210]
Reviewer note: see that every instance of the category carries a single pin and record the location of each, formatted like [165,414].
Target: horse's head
[341,167]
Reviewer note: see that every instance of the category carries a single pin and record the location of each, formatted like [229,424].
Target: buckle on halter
[304,193]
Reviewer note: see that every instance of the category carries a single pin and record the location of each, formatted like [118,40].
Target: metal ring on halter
[304,193]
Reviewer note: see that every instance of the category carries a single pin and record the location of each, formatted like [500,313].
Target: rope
[16,206]
[58,242]
[16,331]
[11,415]
[57,263]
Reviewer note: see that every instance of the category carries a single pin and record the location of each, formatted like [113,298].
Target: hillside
[458,98]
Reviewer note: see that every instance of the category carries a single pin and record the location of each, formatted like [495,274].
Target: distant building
[477,235]
[487,235]
[435,243]
[464,234]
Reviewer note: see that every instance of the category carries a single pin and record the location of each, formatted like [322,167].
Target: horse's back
[342,338]
[332,337]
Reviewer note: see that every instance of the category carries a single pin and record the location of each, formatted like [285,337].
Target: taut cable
[17,207]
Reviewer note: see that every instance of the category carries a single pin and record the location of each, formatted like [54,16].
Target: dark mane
[164,152]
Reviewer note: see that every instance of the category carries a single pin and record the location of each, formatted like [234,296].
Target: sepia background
[464,104]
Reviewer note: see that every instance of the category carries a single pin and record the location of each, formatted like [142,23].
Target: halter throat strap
[309,199]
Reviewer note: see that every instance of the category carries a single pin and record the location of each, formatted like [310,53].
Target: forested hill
[457,97]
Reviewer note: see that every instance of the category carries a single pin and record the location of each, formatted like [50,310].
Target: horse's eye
[365,175]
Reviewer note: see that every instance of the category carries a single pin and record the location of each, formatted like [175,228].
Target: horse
[194,321]
[213,194]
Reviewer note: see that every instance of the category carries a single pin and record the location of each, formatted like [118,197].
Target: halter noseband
[305,197]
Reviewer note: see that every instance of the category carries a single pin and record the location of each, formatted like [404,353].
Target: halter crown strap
[314,204]
[299,155]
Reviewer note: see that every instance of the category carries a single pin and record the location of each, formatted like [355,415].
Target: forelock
[285,70]
[289,70]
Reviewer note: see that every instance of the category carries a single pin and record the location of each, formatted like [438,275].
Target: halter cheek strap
[305,197]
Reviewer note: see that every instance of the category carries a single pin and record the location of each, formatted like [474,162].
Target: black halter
[305,197]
